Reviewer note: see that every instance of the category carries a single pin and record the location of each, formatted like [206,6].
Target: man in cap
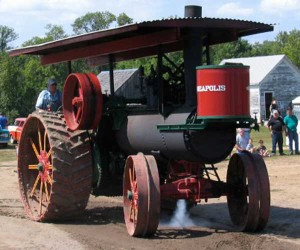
[276,126]
[291,123]
[49,99]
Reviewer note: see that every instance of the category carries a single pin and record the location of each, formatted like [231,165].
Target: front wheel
[141,193]
[249,192]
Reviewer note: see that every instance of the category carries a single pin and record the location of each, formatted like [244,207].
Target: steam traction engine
[158,147]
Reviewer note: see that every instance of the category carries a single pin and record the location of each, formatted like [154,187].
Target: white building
[270,77]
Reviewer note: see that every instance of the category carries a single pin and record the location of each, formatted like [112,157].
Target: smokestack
[192,11]
[192,55]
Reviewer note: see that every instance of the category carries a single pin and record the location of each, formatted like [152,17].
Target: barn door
[268,101]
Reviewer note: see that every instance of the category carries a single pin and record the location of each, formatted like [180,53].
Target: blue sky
[29,17]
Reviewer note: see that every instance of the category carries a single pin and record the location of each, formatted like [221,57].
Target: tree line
[23,77]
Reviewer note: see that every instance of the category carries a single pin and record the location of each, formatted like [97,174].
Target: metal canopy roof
[141,39]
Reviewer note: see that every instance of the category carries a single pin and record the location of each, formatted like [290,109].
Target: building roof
[120,77]
[141,39]
[296,100]
[260,66]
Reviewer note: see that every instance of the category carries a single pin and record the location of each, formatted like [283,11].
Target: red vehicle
[16,129]
[161,136]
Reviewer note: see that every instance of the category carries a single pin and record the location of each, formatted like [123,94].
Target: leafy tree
[239,48]
[55,32]
[35,40]
[7,35]
[123,19]
[10,85]
[93,21]
[266,48]
[291,46]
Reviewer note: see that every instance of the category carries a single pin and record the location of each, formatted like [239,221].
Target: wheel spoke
[40,139]
[34,167]
[45,138]
[34,149]
[78,114]
[130,176]
[35,185]
[131,213]
[49,153]
[41,197]
[80,92]
[46,190]
[49,180]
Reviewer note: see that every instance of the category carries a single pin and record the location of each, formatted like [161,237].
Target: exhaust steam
[181,217]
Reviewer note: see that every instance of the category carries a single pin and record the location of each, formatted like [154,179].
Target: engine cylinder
[139,133]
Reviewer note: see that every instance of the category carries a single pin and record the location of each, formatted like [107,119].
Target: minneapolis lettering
[213,88]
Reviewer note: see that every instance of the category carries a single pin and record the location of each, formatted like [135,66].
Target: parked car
[16,129]
[4,137]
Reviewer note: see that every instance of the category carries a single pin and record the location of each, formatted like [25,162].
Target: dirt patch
[101,226]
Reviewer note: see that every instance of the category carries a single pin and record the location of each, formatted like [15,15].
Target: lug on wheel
[54,168]
[249,192]
[141,192]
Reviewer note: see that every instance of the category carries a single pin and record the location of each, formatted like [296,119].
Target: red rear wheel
[54,168]
[141,192]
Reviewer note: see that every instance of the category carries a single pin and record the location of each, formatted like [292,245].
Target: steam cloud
[181,217]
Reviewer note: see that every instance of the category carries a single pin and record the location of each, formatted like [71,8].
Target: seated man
[242,140]
[49,99]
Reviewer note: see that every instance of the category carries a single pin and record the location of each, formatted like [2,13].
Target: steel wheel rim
[265,198]
[243,198]
[141,195]
[37,170]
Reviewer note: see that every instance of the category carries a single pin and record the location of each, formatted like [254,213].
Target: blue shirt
[48,101]
[242,141]
[291,122]
[3,121]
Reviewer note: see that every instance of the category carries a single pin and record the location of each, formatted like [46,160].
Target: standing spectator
[291,123]
[3,121]
[242,140]
[276,126]
[273,106]
[49,99]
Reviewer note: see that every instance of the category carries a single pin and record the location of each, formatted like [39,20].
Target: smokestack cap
[192,11]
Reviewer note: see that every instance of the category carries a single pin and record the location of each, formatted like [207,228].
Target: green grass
[7,154]
[265,135]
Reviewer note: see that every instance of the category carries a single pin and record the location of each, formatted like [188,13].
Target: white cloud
[234,9]
[29,17]
[17,5]
[279,6]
